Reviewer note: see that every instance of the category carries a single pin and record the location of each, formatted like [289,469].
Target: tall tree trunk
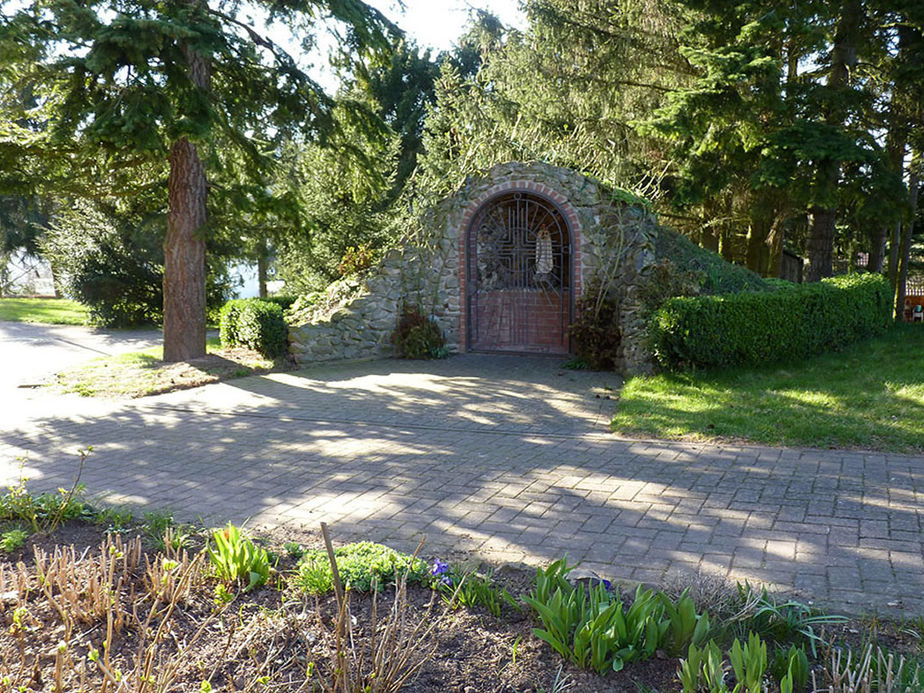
[765,232]
[896,139]
[184,256]
[757,256]
[262,266]
[775,245]
[894,247]
[709,238]
[184,245]
[914,185]
[824,213]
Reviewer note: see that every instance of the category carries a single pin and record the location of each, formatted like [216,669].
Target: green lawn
[51,311]
[868,396]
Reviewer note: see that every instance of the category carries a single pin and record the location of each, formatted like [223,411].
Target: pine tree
[126,87]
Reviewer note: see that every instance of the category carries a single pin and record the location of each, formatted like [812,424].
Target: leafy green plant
[314,576]
[236,558]
[255,324]
[686,626]
[589,625]
[46,511]
[12,539]
[576,363]
[749,662]
[703,669]
[284,301]
[792,666]
[362,566]
[294,549]
[162,530]
[418,336]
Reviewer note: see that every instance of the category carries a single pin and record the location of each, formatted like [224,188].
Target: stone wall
[609,238]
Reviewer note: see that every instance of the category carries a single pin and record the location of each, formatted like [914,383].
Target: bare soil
[58,608]
[49,636]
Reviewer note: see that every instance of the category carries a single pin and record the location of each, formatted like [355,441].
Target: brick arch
[549,194]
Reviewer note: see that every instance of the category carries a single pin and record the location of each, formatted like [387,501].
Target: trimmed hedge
[254,324]
[285,301]
[787,323]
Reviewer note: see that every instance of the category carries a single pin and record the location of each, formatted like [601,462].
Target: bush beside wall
[254,324]
[754,328]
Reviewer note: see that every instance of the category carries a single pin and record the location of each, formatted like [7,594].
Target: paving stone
[499,456]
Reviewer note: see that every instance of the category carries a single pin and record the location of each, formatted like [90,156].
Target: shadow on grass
[870,395]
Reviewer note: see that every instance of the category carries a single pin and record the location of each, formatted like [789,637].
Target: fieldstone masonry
[612,241]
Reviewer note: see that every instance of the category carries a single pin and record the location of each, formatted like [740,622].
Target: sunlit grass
[870,396]
[50,311]
[142,373]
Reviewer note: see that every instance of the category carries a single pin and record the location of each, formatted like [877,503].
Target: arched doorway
[519,276]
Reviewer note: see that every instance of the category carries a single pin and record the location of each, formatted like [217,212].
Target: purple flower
[439,568]
[446,580]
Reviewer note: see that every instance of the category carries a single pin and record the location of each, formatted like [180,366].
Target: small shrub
[417,336]
[356,260]
[595,335]
[12,539]
[361,565]
[761,327]
[236,558]
[43,512]
[254,324]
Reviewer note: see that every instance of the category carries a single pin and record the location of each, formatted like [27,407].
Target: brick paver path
[505,457]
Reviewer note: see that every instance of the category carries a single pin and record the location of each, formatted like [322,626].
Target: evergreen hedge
[753,328]
[254,324]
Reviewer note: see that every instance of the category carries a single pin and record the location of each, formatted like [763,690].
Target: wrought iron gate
[519,276]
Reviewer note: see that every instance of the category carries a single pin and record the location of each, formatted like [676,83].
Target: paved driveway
[505,457]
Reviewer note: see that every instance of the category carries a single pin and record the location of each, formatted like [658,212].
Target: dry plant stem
[844,676]
[338,586]
[395,652]
[142,679]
